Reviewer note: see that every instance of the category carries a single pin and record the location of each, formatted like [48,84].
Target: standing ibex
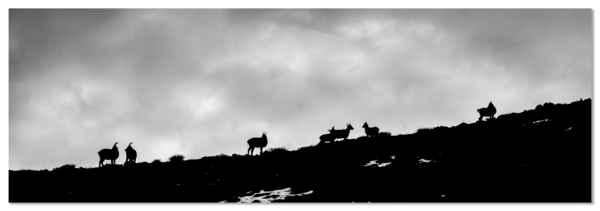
[341,133]
[257,143]
[370,131]
[109,154]
[490,111]
[131,154]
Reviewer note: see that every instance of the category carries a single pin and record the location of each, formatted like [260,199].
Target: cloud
[13,44]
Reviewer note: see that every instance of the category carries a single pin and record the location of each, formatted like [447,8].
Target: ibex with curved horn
[131,153]
[109,154]
[341,133]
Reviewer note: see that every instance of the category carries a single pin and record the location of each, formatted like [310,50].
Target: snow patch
[539,121]
[269,196]
[422,160]
[374,163]
[384,164]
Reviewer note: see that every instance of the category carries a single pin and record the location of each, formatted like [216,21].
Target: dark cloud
[202,82]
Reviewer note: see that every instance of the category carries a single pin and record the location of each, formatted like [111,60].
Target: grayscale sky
[202,82]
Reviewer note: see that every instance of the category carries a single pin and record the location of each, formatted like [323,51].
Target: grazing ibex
[257,143]
[109,154]
[490,111]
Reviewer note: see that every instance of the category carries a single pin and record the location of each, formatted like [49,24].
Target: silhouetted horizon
[318,141]
[201,82]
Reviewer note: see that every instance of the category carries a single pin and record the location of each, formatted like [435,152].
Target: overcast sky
[202,82]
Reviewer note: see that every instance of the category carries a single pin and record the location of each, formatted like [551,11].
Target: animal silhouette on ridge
[490,111]
[341,133]
[327,137]
[370,131]
[131,154]
[109,154]
[257,143]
